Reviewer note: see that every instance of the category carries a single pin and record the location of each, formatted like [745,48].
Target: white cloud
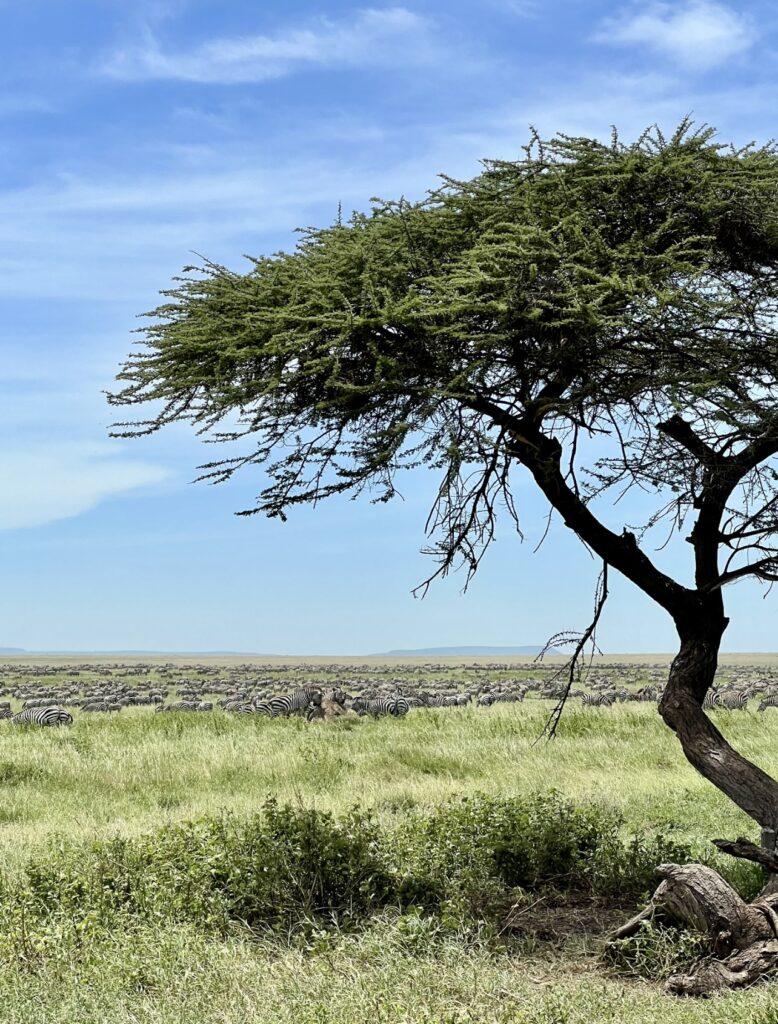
[61,479]
[698,34]
[371,37]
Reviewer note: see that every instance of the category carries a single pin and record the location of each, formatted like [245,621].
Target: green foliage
[622,282]
[464,859]
[294,870]
[655,952]
[282,870]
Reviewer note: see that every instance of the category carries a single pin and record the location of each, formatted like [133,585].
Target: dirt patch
[556,917]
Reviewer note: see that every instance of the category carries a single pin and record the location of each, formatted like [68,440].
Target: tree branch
[541,455]
[679,430]
[747,850]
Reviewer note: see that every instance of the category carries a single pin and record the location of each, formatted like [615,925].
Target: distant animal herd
[49,695]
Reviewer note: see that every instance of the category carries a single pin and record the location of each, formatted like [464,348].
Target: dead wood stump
[743,936]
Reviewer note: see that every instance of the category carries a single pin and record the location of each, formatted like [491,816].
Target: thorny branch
[572,665]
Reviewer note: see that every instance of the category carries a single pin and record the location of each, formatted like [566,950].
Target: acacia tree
[601,316]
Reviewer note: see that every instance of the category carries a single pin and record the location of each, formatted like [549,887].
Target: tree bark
[691,674]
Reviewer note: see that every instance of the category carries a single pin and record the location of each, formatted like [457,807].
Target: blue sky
[136,134]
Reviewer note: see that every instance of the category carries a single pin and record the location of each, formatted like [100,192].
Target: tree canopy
[622,293]
[585,289]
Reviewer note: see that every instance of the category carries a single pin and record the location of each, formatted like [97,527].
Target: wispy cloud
[57,480]
[698,34]
[371,37]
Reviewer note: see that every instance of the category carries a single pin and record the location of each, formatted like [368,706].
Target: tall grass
[125,773]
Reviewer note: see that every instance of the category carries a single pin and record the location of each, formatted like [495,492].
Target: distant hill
[463,651]
[12,650]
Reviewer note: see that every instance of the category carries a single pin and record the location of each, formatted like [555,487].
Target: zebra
[297,701]
[596,700]
[712,700]
[396,706]
[314,711]
[735,701]
[768,702]
[440,700]
[95,705]
[51,715]
[184,705]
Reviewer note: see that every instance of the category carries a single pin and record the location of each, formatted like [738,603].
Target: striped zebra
[185,705]
[243,707]
[297,701]
[734,701]
[768,702]
[712,700]
[42,716]
[441,700]
[597,700]
[396,706]
[314,711]
[416,701]
[95,705]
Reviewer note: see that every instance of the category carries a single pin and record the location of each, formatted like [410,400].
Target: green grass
[175,976]
[127,774]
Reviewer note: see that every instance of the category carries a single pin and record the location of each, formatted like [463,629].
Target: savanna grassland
[145,877]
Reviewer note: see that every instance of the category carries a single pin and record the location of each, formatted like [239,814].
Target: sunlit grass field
[126,773]
[129,773]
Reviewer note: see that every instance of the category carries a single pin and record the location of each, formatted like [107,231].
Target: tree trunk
[691,674]
[743,936]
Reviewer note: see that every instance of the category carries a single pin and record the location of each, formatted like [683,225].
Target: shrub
[284,869]
[656,952]
[292,870]
[470,854]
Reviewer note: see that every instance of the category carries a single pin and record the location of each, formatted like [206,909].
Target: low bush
[467,857]
[292,870]
[280,870]
[656,952]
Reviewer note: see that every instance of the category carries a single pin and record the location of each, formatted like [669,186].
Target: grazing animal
[183,705]
[297,701]
[597,700]
[396,706]
[42,716]
[733,701]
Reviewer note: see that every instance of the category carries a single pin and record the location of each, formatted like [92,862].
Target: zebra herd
[50,695]
[736,701]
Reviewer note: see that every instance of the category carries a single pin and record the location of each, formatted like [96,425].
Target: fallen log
[743,936]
